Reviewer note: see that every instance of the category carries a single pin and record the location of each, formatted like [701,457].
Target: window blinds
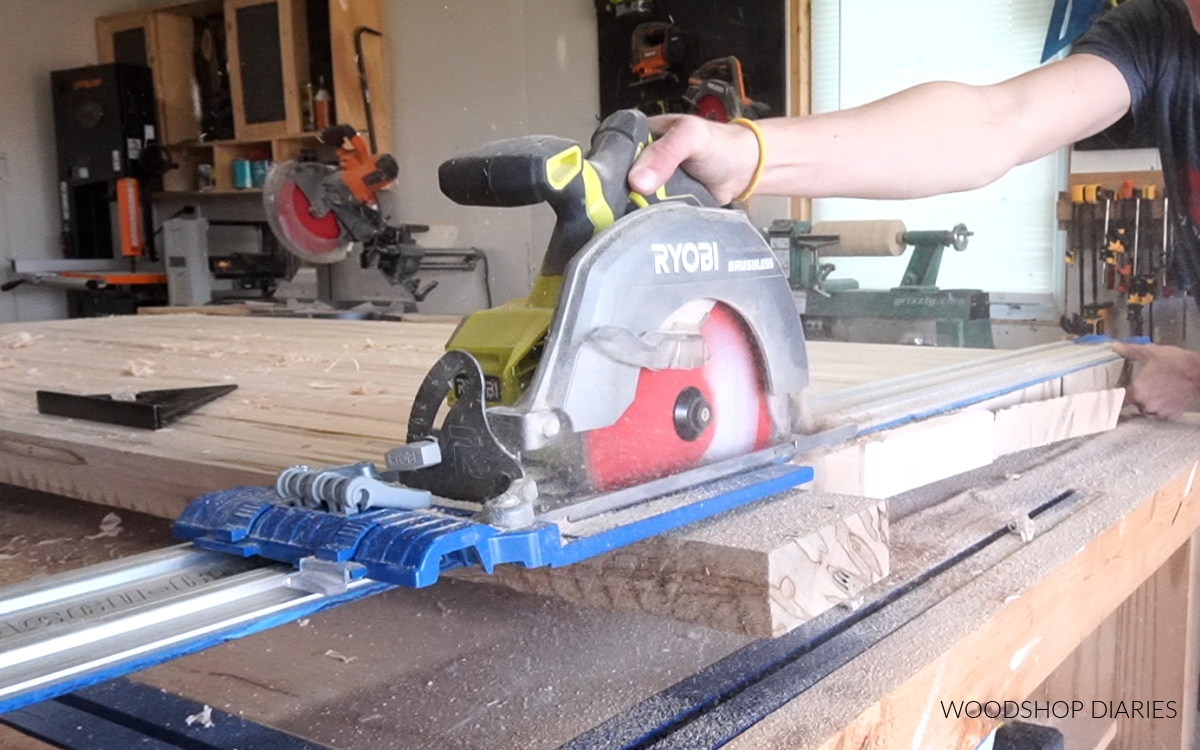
[865,49]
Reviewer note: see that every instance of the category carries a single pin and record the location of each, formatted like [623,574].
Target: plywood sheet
[316,392]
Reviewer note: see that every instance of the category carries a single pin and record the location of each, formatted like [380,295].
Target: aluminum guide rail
[64,632]
[890,403]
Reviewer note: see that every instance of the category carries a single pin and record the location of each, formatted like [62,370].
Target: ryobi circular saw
[648,380]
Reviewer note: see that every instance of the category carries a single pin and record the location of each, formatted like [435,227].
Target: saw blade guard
[669,298]
[297,217]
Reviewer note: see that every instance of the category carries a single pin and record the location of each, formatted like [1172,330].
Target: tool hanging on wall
[1074,253]
[632,9]
[655,47]
[363,86]
[717,91]
[1142,282]
[1084,239]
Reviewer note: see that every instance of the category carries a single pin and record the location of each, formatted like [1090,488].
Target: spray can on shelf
[307,102]
[322,106]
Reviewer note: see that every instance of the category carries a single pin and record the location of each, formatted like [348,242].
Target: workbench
[1095,606]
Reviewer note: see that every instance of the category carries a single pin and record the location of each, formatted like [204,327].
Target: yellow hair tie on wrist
[762,157]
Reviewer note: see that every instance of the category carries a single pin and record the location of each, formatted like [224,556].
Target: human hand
[1168,382]
[720,156]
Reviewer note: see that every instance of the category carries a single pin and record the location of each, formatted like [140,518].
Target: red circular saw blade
[712,108]
[643,443]
[317,239]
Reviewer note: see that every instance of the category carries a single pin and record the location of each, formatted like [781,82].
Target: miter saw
[319,211]
[717,91]
[648,380]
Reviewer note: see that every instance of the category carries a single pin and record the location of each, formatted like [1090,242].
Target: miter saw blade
[291,197]
[683,418]
[711,107]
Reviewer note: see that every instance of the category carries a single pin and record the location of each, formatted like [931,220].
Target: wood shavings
[336,362]
[319,385]
[123,394]
[203,718]
[367,389]
[18,340]
[340,656]
[292,358]
[138,368]
[55,540]
[110,525]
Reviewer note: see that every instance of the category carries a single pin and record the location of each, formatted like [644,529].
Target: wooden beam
[799,46]
[761,570]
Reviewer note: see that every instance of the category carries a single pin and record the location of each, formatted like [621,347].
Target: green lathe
[915,312]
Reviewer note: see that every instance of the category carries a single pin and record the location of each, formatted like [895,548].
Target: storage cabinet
[268,64]
[273,48]
[163,41]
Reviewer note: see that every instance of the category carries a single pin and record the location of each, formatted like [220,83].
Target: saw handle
[587,192]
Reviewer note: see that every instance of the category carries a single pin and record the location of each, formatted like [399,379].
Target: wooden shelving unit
[295,42]
[221,155]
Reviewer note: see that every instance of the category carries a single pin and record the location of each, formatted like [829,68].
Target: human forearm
[933,138]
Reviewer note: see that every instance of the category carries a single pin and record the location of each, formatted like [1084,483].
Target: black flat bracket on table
[149,410]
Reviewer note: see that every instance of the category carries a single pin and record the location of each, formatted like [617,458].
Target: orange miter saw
[319,211]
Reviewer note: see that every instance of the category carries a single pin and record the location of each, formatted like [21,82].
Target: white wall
[36,38]
[465,72]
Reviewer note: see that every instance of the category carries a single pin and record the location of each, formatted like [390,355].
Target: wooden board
[897,460]
[316,392]
[760,571]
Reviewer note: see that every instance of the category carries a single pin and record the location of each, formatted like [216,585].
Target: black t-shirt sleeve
[1131,37]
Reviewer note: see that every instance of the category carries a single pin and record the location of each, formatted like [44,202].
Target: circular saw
[320,211]
[659,338]
[646,381]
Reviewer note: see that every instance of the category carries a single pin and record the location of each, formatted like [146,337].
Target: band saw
[649,379]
